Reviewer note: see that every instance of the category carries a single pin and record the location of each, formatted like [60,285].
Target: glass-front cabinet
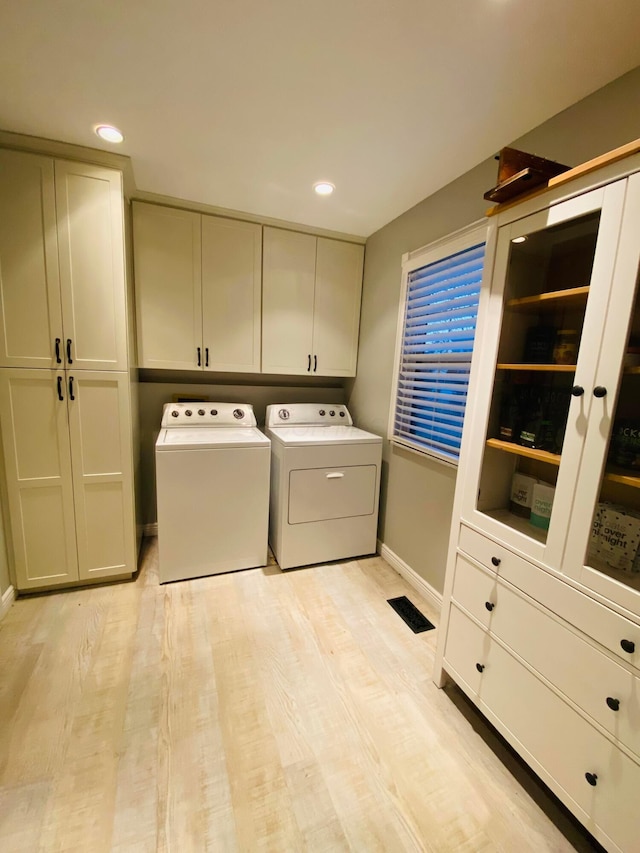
[558,470]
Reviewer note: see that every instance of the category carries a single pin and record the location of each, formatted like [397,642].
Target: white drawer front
[592,618]
[549,730]
[319,494]
[606,691]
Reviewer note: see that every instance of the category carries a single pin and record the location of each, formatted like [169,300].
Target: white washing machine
[325,484]
[212,473]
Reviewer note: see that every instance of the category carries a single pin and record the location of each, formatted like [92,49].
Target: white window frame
[452,244]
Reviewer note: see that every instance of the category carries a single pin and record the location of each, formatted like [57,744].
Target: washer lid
[309,436]
[206,438]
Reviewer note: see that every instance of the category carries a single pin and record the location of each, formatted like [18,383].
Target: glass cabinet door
[556,269]
[603,548]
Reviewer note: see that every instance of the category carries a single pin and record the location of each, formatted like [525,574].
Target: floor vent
[411,615]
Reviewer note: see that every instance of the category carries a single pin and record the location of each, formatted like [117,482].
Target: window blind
[435,355]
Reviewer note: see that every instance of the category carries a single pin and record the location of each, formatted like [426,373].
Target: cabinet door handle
[599,391]
[335,475]
[592,778]
[629,646]
[199,358]
[480,667]
[206,356]
[309,363]
[577,391]
[315,363]
[69,359]
[614,704]
[58,359]
[71,397]
[496,561]
[489,605]
[60,397]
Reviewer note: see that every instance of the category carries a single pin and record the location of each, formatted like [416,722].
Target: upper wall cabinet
[62,295]
[197,290]
[311,304]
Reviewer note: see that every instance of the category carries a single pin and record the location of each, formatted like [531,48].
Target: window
[436,328]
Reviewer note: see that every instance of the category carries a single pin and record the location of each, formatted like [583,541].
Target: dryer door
[320,494]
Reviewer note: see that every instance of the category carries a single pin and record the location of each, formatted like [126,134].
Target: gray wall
[417,494]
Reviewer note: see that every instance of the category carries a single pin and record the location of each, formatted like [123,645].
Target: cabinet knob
[577,391]
[480,667]
[592,778]
[489,605]
[496,561]
[599,391]
[628,645]
[614,704]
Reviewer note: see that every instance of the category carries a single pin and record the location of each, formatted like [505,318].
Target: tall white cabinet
[312,288]
[65,408]
[198,290]
[541,614]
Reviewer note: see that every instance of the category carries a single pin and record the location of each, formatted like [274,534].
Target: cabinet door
[603,545]
[336,316]
[92,273]
[288,282]
[30,312]
[167,269]
[100,431]
[35,439]
[231,291]
[552,279]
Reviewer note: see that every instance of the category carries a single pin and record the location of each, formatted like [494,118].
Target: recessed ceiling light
[518,239]
[324,188]
[109,133]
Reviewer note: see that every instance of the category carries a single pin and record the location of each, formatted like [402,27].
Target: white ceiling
[244,104]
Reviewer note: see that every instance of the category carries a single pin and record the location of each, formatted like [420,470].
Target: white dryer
[325,484]
[212,473]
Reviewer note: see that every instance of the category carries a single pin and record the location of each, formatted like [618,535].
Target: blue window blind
[435,355]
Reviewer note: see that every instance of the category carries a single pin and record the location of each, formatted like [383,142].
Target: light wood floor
[255,711]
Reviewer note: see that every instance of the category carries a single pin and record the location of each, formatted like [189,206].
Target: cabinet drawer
[592,618]
[554,735]
[578,669]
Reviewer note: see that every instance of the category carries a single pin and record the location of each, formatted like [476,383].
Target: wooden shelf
[522,525]
[632,371]
[549,368]
[574,297]
[621,475]
[529,452]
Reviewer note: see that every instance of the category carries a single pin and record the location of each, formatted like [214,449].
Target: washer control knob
[174,414]
[214,412]
[322,413]
[284,414]
[238,414]
[201,412]
[188,413]
[332,413]
[341,414]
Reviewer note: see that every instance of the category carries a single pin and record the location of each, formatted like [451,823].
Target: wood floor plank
[252,711]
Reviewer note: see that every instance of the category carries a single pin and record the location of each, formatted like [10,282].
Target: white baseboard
[8,597]
[411,576]
[150,529]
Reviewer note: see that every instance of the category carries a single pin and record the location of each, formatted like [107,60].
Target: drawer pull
[614,704]
[599,391]
[577,391]
[489,605]
[496,561]
[335,475]
[628,645]
[592,778]
[480,667]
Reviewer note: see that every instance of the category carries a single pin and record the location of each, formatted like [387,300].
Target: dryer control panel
[307,414]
